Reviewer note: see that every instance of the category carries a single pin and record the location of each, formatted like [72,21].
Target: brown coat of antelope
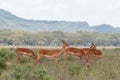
[92,53]
[86,50]
[25,52]
[75,51]
[80,53]
[51,53]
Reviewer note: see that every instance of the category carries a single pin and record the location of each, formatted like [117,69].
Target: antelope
[80,53]
[93,46]
[85,53]
[86,50]
[51,53]
[75,51]
[25,52]
[92,54]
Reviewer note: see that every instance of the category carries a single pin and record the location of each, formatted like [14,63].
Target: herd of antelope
[88,54]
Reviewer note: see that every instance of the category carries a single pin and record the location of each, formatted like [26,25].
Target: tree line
[46,38]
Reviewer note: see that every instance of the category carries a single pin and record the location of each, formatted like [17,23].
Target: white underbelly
[26,54]
[49,56]
[73,53]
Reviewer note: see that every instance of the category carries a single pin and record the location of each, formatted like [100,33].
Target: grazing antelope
[81,53]
[75,51]
[24,52]
[51,53]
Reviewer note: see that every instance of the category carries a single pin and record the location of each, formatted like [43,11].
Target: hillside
[10,21]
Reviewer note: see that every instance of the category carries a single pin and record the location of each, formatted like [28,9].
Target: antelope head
[93,46]
[65,43]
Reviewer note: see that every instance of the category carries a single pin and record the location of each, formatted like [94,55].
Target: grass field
[47,69]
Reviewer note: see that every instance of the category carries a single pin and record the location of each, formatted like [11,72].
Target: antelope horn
[92,43]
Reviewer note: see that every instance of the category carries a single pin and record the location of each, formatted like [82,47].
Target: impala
[86,50]
[93,46]
[25,52]
[51,53]
[81,53]
[92,53]
[75,51]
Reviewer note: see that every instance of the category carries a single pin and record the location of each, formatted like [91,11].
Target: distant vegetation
[45,38]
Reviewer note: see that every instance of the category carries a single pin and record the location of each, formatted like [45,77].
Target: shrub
[23,60]
[75,70]
[2,63]
[3,54]
[41,74]
[0,72]
[27,72]
[7,54]
[19,72]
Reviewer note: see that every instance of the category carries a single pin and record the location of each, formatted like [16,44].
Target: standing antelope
[24,52]
[86,50]
[92,53]
[51,53]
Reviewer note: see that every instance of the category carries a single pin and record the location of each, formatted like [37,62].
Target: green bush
[27,72]
[75,70]
[0,71]
[23,60]
[7,54]
[41,74]
[12,54]
[3,54]
[2,63]
[20,72]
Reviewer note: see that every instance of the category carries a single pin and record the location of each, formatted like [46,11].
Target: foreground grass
[67,70]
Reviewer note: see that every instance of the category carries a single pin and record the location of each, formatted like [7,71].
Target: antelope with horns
[80,53]
[92,53]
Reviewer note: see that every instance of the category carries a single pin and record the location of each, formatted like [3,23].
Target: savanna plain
[47,69]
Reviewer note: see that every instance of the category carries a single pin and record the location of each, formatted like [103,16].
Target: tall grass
[47,69]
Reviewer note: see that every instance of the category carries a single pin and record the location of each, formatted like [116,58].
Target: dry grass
[70,70]
[54,47]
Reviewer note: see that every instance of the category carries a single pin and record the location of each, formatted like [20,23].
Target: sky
[94,12]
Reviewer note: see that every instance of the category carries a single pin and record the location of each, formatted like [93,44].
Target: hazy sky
[95,12]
